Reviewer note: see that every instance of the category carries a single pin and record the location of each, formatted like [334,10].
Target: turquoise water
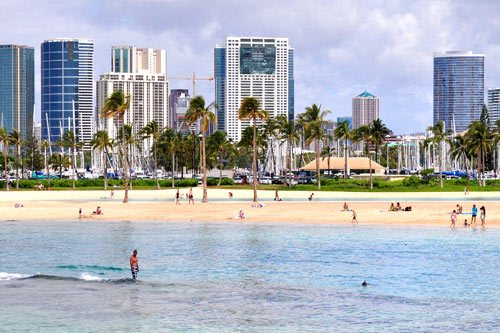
[74,276]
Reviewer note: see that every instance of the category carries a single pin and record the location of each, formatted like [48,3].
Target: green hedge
[215,181]
[30,184]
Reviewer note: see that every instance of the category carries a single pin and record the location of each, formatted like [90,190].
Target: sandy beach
[427,208]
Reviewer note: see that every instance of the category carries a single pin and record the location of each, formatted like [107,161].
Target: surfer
[134,264]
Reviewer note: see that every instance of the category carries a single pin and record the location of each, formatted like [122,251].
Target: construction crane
[194,79]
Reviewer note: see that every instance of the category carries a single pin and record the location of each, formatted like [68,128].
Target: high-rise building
[130,59]
[179,103]
[17,92]
[67,67]
[259,67]
[144,79]
[494,104]
[345,118]
[458,88]
[365,109]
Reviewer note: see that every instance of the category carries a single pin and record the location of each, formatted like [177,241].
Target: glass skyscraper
[494,104]
[260,67]
[17,93]
[67,68]
[458,88]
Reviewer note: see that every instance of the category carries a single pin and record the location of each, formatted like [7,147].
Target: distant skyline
[341,47]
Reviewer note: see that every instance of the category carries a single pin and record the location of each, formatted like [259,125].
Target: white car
[265,181]
[238,180]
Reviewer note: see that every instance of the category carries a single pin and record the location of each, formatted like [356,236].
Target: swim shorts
[134,272]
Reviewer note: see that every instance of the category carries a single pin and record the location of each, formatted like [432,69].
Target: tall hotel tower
[260,67]
[17,93]
[458,88]
[67,88]
[365,109]
[142,74]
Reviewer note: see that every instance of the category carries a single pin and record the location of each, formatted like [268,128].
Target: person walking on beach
[112,194]
[453,219]
[354,216]
[311,197]
[191,198]
[483,216]
[474,214]
[177,198]
[466,190]
[134,264]
[276,196]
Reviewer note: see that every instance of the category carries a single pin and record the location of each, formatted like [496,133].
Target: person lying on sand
[18,205]
[346,208]
[258,205]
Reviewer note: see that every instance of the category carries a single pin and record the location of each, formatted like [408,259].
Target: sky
[342,47]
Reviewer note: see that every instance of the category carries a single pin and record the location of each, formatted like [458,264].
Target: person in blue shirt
[474,214]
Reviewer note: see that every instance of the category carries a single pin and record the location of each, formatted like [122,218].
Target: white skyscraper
[494,104]
[259,67]
[142,74]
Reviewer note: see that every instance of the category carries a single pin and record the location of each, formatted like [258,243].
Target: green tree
[222,147]
[15,140]
[5,139]
[250,110]
[59,161]
[365,133]
[438,138]
[68,140]
[379,132]
[288,132]
[198,110]
[460,149]
[116,106]
[326,153]
[152,130]
[481,142]
[46,147]
[102,142]
[344,133]
[315,124]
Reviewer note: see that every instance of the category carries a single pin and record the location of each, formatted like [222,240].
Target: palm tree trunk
[5,167]
[254,162]
[479,167]
[172,154]
[289,163]
[48,169]
[318,171]
[439,163]
[156,165]
[345,159]
[370,166]
[204,166]
[73,165]
[105,166]
[125,159]
[17,169]
[483,165]
[220,169]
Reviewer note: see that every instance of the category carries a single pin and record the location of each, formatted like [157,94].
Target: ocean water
[240,276]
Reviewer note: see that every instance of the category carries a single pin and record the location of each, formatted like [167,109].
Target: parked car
[265,181]
[238,180]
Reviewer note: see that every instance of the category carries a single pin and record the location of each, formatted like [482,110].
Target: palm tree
[46,146]
[169,139]
[221,145]
[151,130]
[270,130]
[379,132]
[250,109]
[198,110]
[289,133]
[480,140]
[315,123]
[68,140]
[439,136]
[344,133]
[59,162]
[102,142]
[116,106]
[15,140]
[460,149]
[328,152]
[4,138]
[365,133]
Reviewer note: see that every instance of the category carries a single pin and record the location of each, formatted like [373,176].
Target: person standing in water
[474,215]
[134,264]
[483,215]
[453,218]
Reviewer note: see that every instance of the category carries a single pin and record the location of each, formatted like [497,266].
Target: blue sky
[341,47]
